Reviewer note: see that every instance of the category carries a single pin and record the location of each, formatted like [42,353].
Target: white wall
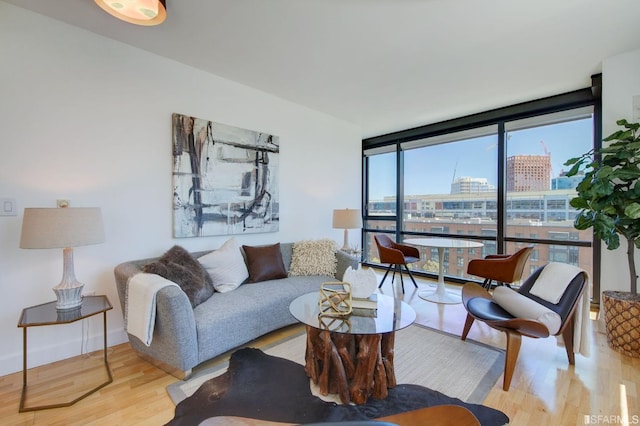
[620,82]
[88,119]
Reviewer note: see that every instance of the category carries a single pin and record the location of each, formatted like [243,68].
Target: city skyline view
[536,211]
[432,169]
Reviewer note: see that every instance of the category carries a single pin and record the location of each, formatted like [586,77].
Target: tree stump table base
[353,366]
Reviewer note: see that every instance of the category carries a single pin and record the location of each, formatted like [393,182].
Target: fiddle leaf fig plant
[608,198]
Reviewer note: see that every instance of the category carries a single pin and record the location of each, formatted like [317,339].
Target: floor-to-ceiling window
[382,181]
[495,177]
[537,191]
[450,188]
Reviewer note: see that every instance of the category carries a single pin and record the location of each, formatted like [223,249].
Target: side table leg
[106,362]
[24,370]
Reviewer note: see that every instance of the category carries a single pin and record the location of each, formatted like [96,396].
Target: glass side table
[47,314]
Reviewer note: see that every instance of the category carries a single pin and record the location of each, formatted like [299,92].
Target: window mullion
[501,188]
[400,190]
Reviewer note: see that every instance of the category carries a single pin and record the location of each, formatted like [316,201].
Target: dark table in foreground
[352,356]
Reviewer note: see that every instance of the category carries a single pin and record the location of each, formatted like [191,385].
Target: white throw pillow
[226,266]
[314,257]
[522,307]
[553,281]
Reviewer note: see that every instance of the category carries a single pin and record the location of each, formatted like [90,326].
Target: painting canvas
[225,179]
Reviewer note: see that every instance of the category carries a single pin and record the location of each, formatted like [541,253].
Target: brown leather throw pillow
[264,263]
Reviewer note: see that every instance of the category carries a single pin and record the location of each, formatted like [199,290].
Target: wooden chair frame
[515,328]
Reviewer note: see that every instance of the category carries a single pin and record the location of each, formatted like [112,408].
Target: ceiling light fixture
[139,12]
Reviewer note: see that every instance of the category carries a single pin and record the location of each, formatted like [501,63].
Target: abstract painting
[225,179]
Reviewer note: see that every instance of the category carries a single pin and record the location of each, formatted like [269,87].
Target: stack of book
[365,307]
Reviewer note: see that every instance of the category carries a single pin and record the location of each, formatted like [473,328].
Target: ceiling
[384,65]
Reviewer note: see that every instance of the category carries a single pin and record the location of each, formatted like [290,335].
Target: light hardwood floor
[545,390]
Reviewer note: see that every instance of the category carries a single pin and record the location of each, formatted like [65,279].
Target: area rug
[261,386]
[466,370]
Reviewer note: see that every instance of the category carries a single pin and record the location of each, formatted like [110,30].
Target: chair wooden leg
[467,326]
[385,276]
[411,276]
[567,336]
[513,349]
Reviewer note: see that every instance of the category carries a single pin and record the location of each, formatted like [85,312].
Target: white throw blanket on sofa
[140,304]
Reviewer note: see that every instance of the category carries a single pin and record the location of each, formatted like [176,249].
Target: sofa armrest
[122,273]
[344,261]
[174,340]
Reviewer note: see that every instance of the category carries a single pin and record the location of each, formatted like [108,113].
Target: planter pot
[622,320]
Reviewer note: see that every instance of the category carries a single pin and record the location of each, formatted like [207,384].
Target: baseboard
[46,354]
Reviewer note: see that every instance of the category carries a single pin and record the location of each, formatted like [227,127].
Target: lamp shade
[347,219]
[139,12]
[44,228]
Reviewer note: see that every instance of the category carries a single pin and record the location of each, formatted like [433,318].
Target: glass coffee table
[352,355]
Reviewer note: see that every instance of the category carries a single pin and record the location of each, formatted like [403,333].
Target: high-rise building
[528,173]
[471,185]
[566,182]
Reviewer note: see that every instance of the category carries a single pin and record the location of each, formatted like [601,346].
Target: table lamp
[346,219]
[44,228]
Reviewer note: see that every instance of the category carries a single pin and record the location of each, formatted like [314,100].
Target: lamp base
[69,315]
[68,298]
[69,291]
[345,244]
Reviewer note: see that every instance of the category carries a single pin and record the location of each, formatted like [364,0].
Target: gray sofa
[185,337]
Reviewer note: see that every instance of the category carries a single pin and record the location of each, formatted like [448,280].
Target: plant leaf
[633,211]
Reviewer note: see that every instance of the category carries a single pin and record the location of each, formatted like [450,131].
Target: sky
[430,170]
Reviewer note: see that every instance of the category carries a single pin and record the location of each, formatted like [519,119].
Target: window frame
[587,97]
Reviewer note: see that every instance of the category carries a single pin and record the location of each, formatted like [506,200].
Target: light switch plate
[8,207]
